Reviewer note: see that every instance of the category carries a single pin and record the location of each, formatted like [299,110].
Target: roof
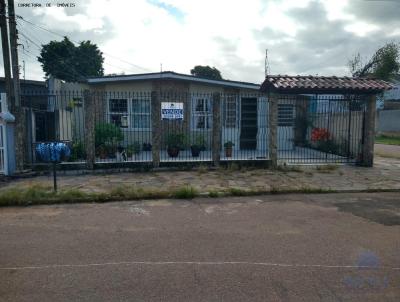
[173,76]
[321,84]
[31,82]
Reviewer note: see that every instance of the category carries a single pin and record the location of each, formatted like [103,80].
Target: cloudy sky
[136,36]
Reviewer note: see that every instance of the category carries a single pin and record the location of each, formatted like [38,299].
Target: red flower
[318,134]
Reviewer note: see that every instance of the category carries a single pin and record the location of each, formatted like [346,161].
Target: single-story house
[316,118]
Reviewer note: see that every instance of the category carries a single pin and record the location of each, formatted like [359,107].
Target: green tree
[206,72]
[384,64]
[64,60]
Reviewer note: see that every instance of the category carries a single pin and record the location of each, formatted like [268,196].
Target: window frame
[206,114]
[129,114]
[235,100]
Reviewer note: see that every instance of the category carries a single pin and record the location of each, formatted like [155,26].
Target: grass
[286,168]
[327,168]
[187,192]
[36,195]
[388,140]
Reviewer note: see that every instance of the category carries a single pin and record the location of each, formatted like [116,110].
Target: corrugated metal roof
[308,84]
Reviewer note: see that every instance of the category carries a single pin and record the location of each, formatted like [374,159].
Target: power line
[73,70]
[76,42]
[88,57]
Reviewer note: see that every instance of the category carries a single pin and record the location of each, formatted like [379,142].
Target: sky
[306,37]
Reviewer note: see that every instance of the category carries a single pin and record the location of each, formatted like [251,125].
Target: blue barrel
[52,152]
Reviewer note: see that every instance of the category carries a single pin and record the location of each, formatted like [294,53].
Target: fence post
[90,114]
[273,130]
[369,132]
[156,128]
[216,128]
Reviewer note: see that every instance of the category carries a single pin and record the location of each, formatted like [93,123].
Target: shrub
[78,151]
[106,134]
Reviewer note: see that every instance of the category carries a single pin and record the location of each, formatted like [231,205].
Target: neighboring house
[394,94]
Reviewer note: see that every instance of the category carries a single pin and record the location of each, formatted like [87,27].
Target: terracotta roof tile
[287,83]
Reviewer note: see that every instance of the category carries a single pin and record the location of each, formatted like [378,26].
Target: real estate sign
[171,111]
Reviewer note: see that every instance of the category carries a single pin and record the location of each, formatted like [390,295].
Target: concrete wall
[388,121]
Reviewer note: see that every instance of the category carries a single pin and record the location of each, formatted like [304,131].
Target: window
[201,114]
[140,114]
[132,114]
[285,115]
[230,112]
[118,110]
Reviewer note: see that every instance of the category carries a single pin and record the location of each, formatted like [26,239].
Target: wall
[388,121]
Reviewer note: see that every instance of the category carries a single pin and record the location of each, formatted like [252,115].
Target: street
[298,247]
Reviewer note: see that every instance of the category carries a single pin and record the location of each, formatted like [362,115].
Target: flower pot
[228,152]
[195,151]
[173,151]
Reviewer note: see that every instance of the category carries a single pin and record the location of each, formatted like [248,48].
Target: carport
[332,119]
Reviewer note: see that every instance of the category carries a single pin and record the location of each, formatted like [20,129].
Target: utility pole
[6,53]
[17,110]
[14,52]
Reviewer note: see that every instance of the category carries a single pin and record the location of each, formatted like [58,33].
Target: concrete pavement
[333,247]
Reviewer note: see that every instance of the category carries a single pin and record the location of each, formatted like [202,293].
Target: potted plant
[133,150]
[228,148]
[101,151]
[199,144]
[175,142]
[146,147]
[107,139]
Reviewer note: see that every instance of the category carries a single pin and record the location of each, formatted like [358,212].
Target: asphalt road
[334,247]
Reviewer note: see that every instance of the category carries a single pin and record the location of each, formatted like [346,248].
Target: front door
[248,129]
[44,126]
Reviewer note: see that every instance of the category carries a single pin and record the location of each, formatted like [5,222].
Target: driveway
[392,151]
[334,247]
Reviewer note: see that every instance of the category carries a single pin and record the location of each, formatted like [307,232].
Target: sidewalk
[385,175]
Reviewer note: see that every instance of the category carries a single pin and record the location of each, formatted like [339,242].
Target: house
[172,117]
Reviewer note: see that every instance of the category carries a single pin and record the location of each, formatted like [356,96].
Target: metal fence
[2,149]
[126,127]
[320,129]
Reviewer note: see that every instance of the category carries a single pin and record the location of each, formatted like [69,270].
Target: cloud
[320,45]
[302,36]
[384,12]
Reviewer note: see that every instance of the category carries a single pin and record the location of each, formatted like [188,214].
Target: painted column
[273,130]
[369,133]
[156,128]
[216,128]
[89,109]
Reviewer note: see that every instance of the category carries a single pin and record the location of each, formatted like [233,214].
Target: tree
[206,72]
[384,64]
[65,61]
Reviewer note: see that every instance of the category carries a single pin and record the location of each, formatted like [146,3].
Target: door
[248,124]
[44,126]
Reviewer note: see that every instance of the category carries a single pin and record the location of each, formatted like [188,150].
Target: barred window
[118,112]
[230,111]
[130,114]
[201,114]
[285,115]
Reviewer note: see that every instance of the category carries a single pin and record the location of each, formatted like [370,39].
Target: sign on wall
[171,111]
